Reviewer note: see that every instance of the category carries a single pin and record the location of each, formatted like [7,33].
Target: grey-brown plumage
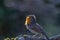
[34,27]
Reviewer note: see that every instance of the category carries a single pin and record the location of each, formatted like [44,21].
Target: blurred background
[13,12]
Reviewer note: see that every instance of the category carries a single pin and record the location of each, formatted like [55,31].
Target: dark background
[13,12]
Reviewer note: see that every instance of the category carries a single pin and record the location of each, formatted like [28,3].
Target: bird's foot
[35,35]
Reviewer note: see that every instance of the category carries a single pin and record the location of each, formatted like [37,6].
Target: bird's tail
[46,36]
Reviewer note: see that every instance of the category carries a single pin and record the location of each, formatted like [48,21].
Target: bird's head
[30,19]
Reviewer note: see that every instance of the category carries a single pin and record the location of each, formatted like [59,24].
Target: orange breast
[28,20]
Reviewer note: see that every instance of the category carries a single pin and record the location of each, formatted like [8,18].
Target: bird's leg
[41,36]
[35,35]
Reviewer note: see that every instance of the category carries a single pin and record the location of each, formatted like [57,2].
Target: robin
[34,27]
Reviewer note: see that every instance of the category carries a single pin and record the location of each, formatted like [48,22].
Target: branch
[29,37]
[56,37]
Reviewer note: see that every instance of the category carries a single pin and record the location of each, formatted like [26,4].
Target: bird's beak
[28,20]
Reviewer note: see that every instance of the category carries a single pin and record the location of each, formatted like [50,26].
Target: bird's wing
[37,28]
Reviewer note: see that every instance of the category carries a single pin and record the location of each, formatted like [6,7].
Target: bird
[34,27]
